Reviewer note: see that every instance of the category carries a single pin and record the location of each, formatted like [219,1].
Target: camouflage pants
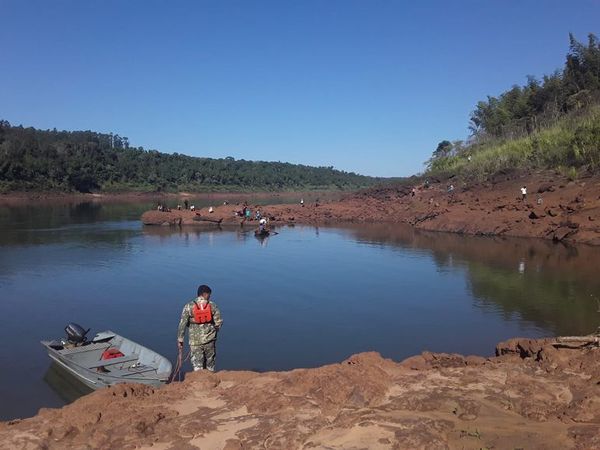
[203,356]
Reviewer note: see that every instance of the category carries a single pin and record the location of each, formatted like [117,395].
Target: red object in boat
[112,353]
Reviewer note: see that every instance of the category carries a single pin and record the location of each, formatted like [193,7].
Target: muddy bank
[534,394]
[555,208]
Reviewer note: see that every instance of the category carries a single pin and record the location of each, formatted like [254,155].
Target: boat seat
[113,361]
[142,370]
[126,372]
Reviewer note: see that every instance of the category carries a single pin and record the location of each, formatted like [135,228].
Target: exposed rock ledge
[535,394]
[556,209]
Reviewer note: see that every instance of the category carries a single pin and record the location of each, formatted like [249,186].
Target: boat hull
[86,362]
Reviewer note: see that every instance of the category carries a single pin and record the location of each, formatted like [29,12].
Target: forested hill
[85,161]
[549,123]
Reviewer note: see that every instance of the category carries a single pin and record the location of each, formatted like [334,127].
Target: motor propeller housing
[76,333]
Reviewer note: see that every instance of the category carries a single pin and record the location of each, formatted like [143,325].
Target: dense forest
[85,161]
[549,123]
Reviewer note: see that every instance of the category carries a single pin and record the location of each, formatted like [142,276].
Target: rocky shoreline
[556,208]
[534,394]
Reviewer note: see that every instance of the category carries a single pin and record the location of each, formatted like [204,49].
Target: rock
[551,213]
[546,187]
[561,233]
[533,215]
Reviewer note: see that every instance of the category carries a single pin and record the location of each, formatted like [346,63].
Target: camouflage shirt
[199,333]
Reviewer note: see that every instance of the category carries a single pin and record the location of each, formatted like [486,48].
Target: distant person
[258,216]
[413,192]
[262,224]
[192,208]
[186,204]
[302,202]
[211,210]
[469,158]
[524,193]
[426,184]
[203,319]
[451,189]
[539,200]
[178,207]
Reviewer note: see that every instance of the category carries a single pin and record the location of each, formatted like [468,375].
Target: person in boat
[262,225]
[204,321]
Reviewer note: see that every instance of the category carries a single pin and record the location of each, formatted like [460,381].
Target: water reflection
[64,384]
[315,295]
[190,234]
[549,284]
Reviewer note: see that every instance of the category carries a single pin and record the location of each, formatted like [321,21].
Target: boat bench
[141,369]
[113,361]
[129,371]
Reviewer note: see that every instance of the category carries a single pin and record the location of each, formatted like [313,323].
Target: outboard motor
[76,334]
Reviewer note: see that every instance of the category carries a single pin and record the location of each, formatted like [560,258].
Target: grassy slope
[569,145]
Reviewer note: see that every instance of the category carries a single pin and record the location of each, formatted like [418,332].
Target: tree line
[86,161]
[539,104]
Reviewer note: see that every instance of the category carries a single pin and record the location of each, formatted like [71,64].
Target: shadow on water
[553,285]
[64,384]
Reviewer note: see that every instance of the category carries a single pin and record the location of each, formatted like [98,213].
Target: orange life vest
[202,315]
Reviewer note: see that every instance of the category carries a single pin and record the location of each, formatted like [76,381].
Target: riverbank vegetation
[86,161]
[553,123]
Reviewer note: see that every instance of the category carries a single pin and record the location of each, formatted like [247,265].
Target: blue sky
[368,86]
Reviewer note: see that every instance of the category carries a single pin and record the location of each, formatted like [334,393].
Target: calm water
[305,297]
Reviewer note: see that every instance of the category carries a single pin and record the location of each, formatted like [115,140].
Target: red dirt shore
[555,208]
[534,394]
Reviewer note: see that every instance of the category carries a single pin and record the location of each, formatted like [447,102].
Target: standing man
[524,193]
[204,321]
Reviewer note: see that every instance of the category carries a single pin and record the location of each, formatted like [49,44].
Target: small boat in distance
[107,359]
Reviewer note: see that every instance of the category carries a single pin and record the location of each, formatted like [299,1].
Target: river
[305,297]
